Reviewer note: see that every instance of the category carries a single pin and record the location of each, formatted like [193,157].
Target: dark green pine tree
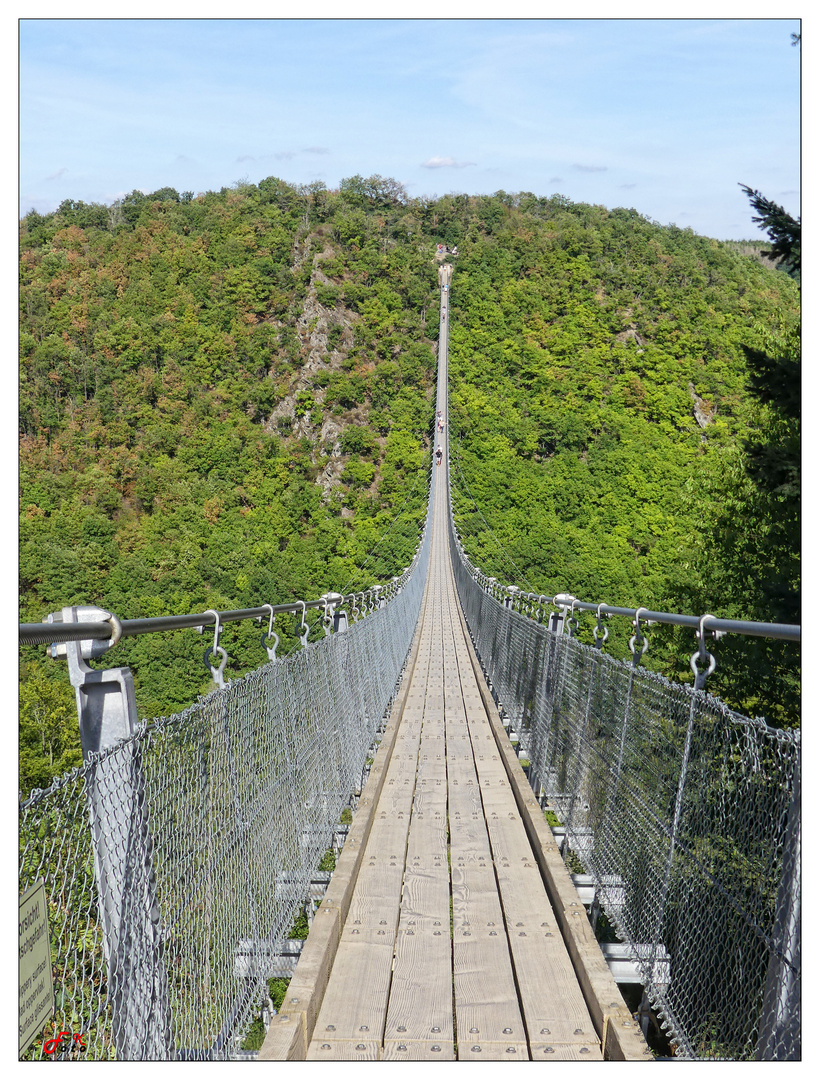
[773,451]
[783,230]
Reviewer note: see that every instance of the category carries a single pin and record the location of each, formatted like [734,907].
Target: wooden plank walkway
[451,929]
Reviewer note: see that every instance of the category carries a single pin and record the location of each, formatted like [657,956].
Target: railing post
[558,619]
[128,906]
[780,1022]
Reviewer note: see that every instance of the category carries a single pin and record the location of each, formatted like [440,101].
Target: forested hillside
[225,400]
[607,432]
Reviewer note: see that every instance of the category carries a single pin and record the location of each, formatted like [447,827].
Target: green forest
[226,400]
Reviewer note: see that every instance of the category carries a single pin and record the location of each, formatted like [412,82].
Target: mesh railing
[216,819]
[684,814]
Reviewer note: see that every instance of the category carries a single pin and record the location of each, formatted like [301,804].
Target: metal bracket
[558,619]
[128,907]
[106,705]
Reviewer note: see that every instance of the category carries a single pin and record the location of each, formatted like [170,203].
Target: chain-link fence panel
[685,815]
[215,819]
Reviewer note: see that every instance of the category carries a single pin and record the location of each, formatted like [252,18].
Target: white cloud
[57,175]
[445,163]
[590,168]
[315,150]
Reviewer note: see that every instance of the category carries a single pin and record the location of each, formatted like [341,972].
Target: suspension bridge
[457,924]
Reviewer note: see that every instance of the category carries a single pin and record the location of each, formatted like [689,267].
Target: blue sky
[665,115]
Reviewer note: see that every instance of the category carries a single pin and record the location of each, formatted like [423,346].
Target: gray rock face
[702,409]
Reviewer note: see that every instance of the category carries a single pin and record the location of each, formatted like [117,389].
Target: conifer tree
[783,230]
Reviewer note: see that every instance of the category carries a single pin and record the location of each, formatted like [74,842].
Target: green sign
[36,988]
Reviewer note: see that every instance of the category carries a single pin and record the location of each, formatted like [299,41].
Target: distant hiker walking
[438,455]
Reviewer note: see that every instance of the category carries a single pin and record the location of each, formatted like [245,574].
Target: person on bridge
[438,455]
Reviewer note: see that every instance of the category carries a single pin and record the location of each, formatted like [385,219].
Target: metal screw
[549,1050]
[476,1049]
[294,1001]
[510,1049]
[364,1027]
[545,1031]
[330,1027]
[508,1031]
[360,1046]
[325,1046]
[584,1050]
[435,1030]
[436,1048]
[474,1031]
[402,1046]
[578,1031]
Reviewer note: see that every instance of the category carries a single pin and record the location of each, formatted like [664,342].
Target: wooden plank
[290,1034]
[356,998]
[417,1050]
[485,998]
[483,1050]
[623,1038]
[558,1051]
[344,1050]
[421,994]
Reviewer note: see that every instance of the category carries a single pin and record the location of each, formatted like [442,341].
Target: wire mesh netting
[217,819]
[686,816]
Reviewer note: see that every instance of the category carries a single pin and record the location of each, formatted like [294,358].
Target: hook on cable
[600,638]
[572,621]
[271,650]
[638,638]
[702,655]
[328,608]
[216,649]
